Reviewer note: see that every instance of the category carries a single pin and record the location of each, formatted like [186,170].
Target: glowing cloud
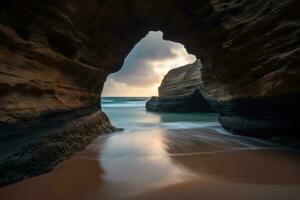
[145,66]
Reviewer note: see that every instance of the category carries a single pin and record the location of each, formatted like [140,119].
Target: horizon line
[126,96]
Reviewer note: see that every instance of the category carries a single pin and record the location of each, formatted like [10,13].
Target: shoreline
[145,164]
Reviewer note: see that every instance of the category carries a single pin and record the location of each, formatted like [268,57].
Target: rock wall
[56,54]
[180,91]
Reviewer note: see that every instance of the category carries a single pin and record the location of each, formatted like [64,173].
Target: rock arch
[60,52]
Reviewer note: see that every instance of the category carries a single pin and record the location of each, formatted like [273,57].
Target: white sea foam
[188,125]
[124,105]
[107,101]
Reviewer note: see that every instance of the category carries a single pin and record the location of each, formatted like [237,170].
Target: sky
[145,66]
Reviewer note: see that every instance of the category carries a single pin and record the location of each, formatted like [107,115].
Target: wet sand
[168,164]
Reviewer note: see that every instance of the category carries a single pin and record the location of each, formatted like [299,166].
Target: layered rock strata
[180,91]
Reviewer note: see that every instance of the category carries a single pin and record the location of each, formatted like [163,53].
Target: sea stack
[180,91]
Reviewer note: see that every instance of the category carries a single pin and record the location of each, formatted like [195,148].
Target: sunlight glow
[145,67]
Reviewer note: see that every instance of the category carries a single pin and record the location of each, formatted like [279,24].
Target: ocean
[130,113]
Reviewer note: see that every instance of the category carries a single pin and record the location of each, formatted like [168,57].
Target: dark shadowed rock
[37,148]
[277,115]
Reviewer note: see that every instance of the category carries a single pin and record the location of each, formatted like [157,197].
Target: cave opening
[155,68]
[145,66]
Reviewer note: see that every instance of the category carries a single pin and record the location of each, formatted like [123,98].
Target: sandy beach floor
[168,164]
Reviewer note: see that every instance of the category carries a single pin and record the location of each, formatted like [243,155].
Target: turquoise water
[130,113]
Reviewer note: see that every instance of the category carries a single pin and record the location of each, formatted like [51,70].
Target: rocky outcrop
[49,107]
[55,56]
[260,117]
[48,144]
[180,91]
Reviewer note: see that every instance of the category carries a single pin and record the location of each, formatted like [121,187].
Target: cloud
[146,65]
[113,88]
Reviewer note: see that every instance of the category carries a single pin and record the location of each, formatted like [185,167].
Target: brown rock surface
[181,81]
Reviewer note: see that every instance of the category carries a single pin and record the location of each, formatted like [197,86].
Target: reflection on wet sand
[74,179]
[137,162]
[237,159]
[169,164]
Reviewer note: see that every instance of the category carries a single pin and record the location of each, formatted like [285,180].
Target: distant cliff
[179,91]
